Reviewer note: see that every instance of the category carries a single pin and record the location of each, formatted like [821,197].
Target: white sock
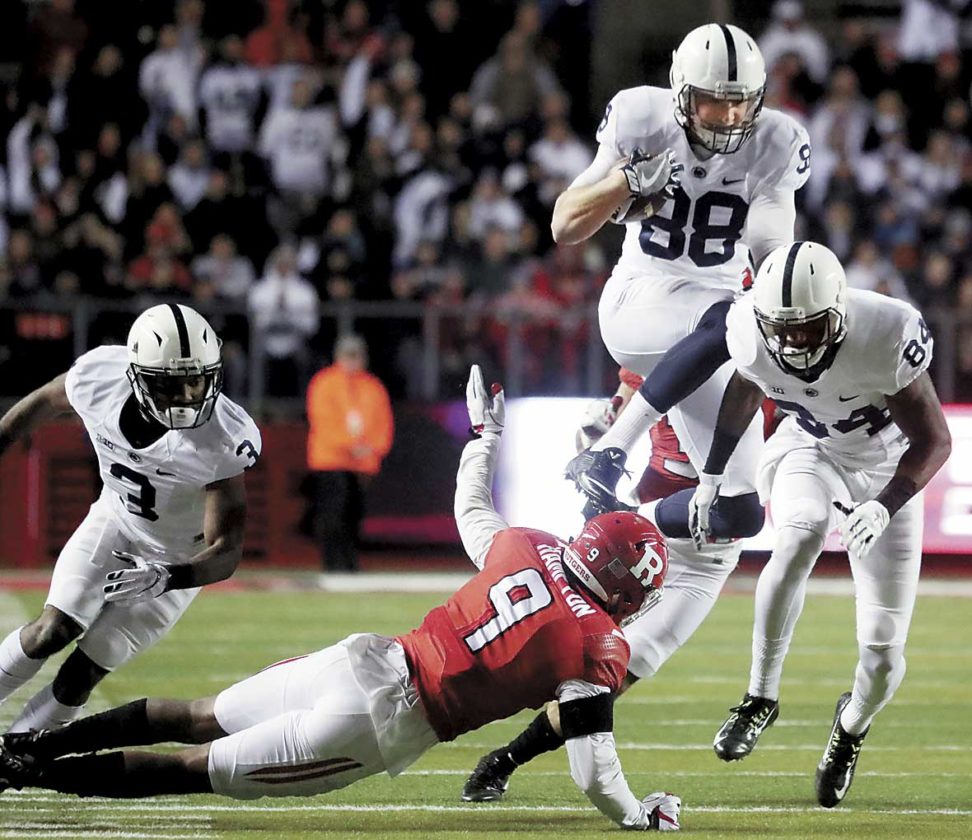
[16,667]
[44,711]
[637,417]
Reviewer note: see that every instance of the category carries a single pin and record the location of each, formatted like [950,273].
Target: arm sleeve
[769,225]
[476,517]
[912,354]
[245,446]
[596,768]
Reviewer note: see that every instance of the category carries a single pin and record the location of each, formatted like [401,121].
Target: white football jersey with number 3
[157,493]
[701,231]
[844,411]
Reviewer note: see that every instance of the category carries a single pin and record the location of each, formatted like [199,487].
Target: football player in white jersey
[171,452]
[864,434]
[688,240]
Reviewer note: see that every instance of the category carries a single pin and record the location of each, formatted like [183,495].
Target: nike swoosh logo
[842,790]
[847,399]
[727,181]
[161,472]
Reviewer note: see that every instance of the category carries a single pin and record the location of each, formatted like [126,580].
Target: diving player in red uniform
[539,622]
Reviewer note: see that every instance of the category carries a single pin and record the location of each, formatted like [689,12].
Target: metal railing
[514,349]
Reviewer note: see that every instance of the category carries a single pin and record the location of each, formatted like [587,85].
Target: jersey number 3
[734,211]
[513,598]
[142,504]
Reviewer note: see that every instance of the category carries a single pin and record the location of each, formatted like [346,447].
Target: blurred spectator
[443,39]
[351,431]
[297,141]
[790,34]
[33,167]
[560,157]
[937,276]
[167,80]
[189,177]
[507,89]
[230,97]
[490,208]
[277,39]
[56,26]
[23,273]
[870,271]
[421,211]
[283,307]
[491,274]
[107,93]
[228,274]
[93,252]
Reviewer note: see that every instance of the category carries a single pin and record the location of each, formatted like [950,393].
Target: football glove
[599,416]
[700,505]
[863,525]
[485,415]
[652,180]
[143,579]
[664,809]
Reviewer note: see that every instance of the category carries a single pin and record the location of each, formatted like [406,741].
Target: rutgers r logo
[649,566]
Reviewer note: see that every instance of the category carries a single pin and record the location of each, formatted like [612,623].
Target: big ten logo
[955,518]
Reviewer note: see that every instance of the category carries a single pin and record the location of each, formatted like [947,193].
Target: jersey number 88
[703,228]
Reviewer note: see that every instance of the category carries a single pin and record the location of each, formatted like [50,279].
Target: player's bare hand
[487,409]
[862,527]
[142,579]
[700,506]
[664,809]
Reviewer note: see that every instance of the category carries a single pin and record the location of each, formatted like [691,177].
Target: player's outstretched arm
[38,407]
[740,403]
[916,410]
[476,518]
[585,718]
[224,522]
[588,203]
[918,413]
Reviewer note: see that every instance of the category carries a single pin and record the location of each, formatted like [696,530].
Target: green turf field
[915,772]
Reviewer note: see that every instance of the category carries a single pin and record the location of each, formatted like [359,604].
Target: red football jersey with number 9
[509,637]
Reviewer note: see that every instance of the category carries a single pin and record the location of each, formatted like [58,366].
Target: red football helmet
[621,559]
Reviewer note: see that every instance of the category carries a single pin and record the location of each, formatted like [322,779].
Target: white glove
[700,504]
[863,525]
[648,175]
[664,809]
[143,580]
[599,416]
[485,414]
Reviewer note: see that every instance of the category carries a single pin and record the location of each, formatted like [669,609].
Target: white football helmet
[800,300]
[721,62]
[175,366]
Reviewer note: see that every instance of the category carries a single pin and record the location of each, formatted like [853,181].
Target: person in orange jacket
[351,431]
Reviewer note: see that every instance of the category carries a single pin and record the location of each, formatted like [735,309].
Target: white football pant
[805,484]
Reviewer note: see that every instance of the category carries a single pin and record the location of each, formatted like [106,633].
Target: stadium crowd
[278,154]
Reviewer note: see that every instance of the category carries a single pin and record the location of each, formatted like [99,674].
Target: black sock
[125,726]
[539,737]
[120,775]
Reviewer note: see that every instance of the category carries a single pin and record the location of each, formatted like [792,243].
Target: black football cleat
[25,743]
[487,783]
[596,475]
[836,769]
[737,737]
[15,771]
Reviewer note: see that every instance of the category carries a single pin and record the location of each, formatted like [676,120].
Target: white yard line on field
[239,807]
